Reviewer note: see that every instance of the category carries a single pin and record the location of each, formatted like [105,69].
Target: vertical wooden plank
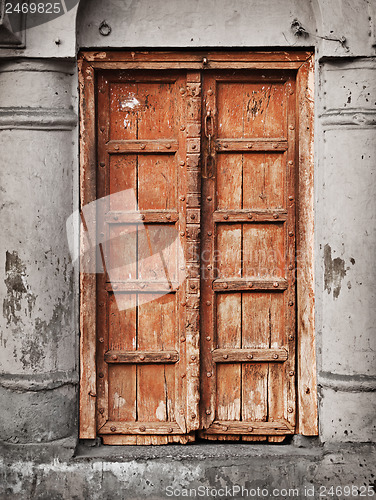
[229,332]
[278,394]
[122,336]
[230,104]
[156,322]
[157,255]
[156,383]
[103,233]
[157,252]
[181,294]
[290,235]
[229,181]
[157,113]
[208,265]
[122,321]
[87,281]
[281,382]
[151,334]
[124,106]
[121,249]
[122,177]
[256,325]
[122,393]
[229,250]
[307,384]
[228,324]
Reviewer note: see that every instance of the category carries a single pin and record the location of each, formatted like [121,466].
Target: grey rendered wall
[39,190]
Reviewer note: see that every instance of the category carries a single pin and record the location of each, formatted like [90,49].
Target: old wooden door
[148,353]
[196,187]
[248,256]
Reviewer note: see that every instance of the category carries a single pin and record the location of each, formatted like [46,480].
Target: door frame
[303,62]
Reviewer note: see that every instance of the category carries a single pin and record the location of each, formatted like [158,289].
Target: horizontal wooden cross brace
[141,147]
[246,284]
[259,428]
[141,428]
[251,145]
[141,356]
[142,286]
[277,215]
[249,355]
[141,217]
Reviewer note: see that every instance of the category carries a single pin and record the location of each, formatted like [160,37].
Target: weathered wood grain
[88,388]
[307,383]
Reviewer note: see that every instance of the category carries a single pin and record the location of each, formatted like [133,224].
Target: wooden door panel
[157,182]
[149,349]
[229,251]
[148,148]
[157,322]
[122,393]
[229,186]
[157,251]
[123,176]
[122,253]
[152,177]
[249,214]
[254,181]
[142,110]
[264,181]
[249,109]
[122,312]
[264,250]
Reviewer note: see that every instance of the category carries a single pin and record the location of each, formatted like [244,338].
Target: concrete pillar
[346,247]
[38,340]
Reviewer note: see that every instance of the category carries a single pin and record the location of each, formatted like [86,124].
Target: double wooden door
[195,320]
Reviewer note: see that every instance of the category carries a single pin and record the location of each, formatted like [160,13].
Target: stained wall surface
[39,330]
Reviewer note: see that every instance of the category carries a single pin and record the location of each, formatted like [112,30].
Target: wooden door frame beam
[307,422]
[301,61]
